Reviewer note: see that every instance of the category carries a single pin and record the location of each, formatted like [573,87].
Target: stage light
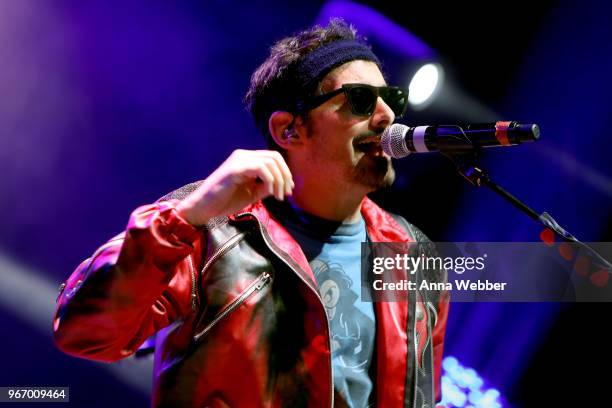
[463,387]
[425,85]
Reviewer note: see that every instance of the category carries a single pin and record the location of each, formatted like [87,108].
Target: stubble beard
[374,172]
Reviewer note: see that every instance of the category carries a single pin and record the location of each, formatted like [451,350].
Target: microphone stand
[466,164]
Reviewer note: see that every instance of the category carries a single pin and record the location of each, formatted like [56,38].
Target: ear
[281,126]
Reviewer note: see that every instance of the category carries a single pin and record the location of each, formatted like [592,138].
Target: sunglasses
[362,98]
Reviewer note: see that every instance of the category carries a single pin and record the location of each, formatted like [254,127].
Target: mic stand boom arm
[466,166]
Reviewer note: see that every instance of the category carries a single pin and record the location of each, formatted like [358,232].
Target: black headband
[300,79]
[312,67]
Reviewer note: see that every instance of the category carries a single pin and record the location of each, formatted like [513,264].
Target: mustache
[368,135]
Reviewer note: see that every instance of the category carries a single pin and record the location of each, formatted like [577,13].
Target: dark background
[107,105]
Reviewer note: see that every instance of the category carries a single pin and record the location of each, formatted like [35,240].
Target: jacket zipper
[318,296]
[229,244]
[224,248]
[193,285]
[255,286]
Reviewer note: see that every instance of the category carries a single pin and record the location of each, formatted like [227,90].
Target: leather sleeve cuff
[174,226]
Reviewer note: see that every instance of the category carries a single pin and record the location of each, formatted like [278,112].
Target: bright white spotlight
[425,85]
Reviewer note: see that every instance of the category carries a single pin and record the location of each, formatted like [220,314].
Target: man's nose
[383,115]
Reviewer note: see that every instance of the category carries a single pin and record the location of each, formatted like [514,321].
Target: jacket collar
[381,227]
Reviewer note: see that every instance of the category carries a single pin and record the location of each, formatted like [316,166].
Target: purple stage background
[107,105]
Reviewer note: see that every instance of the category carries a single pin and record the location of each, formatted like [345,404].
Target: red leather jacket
[239,319]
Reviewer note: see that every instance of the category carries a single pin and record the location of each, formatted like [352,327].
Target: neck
[327,202]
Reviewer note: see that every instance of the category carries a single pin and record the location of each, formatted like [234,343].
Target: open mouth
[370,144]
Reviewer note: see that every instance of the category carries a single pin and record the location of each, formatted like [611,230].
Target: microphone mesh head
[392,141]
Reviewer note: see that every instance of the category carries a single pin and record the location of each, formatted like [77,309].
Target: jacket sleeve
[134,285]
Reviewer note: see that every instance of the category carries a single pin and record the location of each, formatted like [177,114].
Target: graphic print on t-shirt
[351,346]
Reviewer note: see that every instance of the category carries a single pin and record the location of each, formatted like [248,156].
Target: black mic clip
[466,164]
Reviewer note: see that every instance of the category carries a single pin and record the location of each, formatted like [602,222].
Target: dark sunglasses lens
[362,100]
[396,98]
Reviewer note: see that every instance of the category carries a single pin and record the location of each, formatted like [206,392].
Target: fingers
[286,173]
[272,170]
[243,178]
[262,172]
[279,180]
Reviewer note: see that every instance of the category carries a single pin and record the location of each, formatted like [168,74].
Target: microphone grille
[393,141]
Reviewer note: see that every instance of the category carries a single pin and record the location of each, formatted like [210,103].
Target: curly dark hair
[274,87]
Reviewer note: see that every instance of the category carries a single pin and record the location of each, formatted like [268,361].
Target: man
[256,303]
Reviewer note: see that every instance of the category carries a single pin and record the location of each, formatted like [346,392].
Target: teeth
[368,142]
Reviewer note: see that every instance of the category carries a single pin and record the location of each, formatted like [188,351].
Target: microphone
[399,140]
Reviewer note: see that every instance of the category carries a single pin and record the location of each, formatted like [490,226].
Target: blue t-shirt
[333,251]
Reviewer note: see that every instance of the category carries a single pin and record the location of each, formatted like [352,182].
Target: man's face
[334,147]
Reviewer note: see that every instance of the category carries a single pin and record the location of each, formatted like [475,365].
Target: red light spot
[566,251]
[547,236]
[581,266]
[600,278]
